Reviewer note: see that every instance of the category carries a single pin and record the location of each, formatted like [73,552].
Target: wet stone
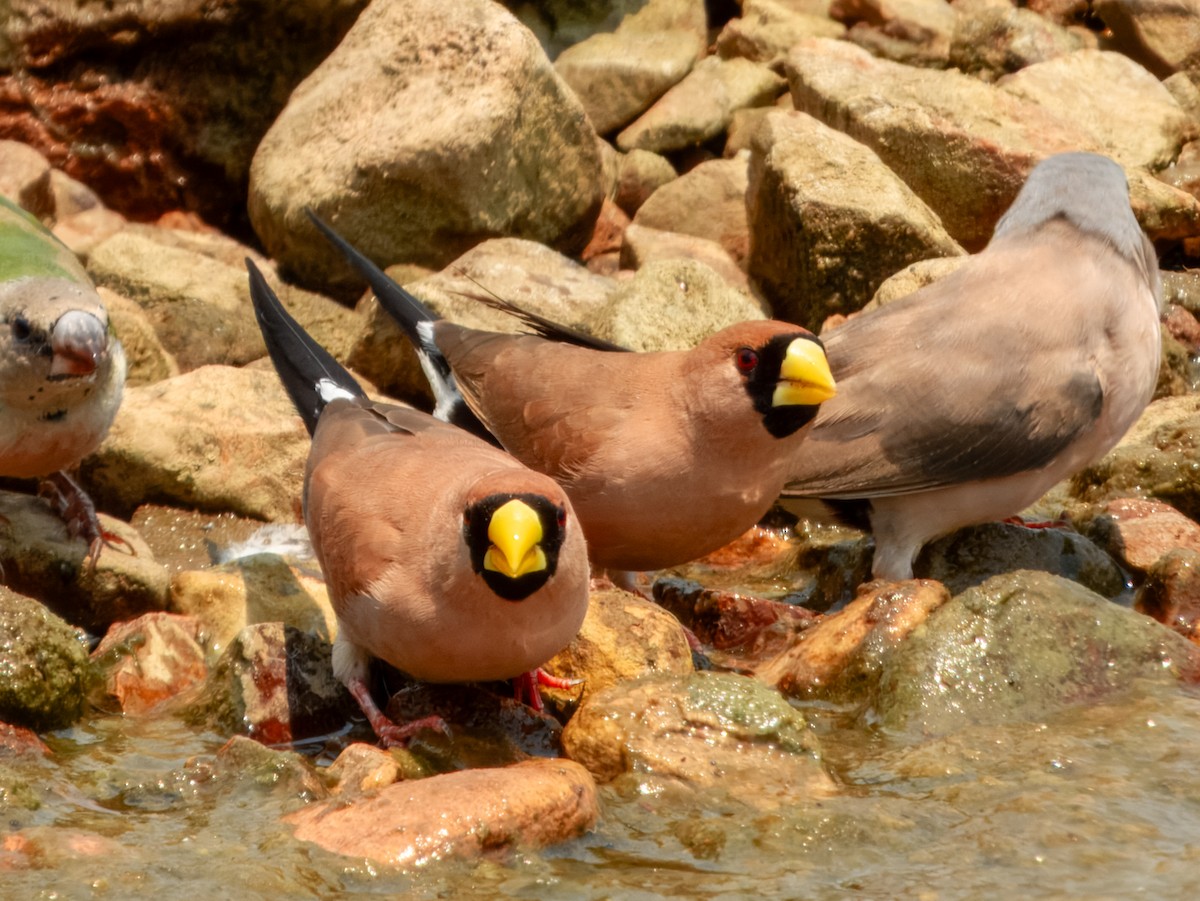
[478,813]
[151,660]
[1141,531]
[1171,592]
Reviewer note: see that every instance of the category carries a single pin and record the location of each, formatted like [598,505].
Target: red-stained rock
[151,659]
[17,741]
[1184,327]
[1141,531]
[470,814]
[1171,592]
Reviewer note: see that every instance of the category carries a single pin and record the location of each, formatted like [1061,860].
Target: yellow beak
[515,533]
[804,377]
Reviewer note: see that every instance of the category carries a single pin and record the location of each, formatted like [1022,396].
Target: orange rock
[468,814]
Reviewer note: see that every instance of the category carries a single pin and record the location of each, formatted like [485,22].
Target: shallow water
[1100,802]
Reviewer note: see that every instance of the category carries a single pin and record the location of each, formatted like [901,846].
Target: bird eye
[21,329]
[746,359]
[562,516]
[466,519]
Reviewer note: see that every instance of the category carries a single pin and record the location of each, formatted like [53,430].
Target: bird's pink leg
[1059,523]
[392,735]
[526,687]
[71,503]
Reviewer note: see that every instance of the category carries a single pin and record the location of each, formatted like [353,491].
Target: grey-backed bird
[968,399]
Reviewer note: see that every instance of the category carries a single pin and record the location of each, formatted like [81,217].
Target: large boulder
[432,127]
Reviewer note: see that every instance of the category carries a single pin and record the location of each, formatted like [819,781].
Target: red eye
[746,359]
[467,518]
[562,516]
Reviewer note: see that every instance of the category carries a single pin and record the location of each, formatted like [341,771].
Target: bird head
[514,541]
[782,368]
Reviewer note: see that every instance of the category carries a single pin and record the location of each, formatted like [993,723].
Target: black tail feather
[541,326]
[301,362]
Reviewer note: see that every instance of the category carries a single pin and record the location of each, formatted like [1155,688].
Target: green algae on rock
[1023,646]
[44,668]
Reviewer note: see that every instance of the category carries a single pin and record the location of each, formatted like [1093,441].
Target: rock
[146,358]
[741,629]
[1163,37]
[1164,212]
[40,559]
[701,106]
[767,29]
[1176,369]
[840,658]
[150,660]
[486,728]
[703,730]
[623,637]
[45,665]
[158,106]
[183,540]
[829,221]
[25,179]
[248,769]
[992,38]
[523,272]
[644,245]
[1183,326]
[912,278]
[275,684]
[361,769]
[475,813]
[671,304]
[965,147]
[195,291]
[914,32]
[707,202]
[639,174]
[1022,646]
[17,741]
[1171,592]
[603,252]
[241,447]
[457,130]
[260,589]
[618,74]
[1139,532]
[970,556]
[1125,111]
[1157,458]
[53,847]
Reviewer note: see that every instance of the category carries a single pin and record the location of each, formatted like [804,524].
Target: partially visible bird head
[514,540]
[55,345]
[782,368]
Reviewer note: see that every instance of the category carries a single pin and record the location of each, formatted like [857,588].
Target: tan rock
[1171,592]
[912,278]
[362,769]
[623,637]
[993,37]
[1163,37]
[644,245]
[618,74]
[767,29]
[709,202]
[962,146]
[639,174]
[260,589]
[1125,111]
[702,730]
[671,304]
[843,651]
[913,32]
[528,274]
[701,106]
[25,179]
[457,129]
[40,559]
[829,221]
[241,447]
[466,815]
[147,359]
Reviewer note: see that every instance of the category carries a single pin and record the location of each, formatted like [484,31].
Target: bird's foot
[526,687]
[391,734]
[72,504]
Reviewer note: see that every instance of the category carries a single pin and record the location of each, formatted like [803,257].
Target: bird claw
[68,499]
[394,735]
